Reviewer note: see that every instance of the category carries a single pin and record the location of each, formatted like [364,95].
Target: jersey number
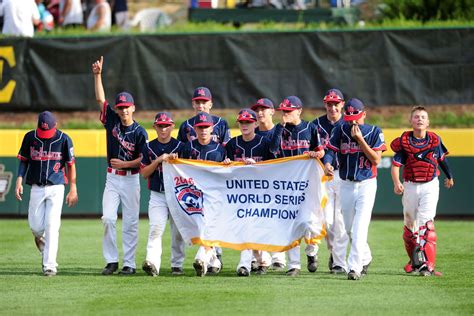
[56,167]
[363,162]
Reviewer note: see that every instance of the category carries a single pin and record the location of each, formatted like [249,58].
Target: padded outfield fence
[91,166]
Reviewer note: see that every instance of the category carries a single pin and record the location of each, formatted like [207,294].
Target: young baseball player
[43,155]
[420,152]
[359,148]
[202,102]
[125,140]
[336,237]
[154,153]
[204,148]
[265,110]
[293,137]
[249,148]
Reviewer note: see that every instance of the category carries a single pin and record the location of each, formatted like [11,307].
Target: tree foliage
[428,10]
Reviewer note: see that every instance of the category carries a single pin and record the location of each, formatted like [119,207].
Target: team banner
[267,206]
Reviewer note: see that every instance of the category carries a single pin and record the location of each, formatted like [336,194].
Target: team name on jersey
[291,144]
[121,139]
[41,155]
[214,138]
[242,158]
[350,148]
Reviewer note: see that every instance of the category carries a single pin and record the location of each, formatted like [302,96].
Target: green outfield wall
[91,168]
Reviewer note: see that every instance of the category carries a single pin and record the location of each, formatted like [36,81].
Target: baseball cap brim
[260,106]
[353,117]
[201,98]
[203,124]
[163,123]
[246,120]
[287,109]
[45,134]
[125,104]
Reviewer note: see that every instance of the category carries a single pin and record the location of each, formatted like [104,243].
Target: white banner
[268,206]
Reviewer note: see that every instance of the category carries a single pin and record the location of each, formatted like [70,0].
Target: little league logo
[189,198]
[5,182]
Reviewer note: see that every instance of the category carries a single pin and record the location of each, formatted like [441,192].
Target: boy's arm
[71,198]
[99,88]
[449,181]
[374,156]
[19,181]
[398,187]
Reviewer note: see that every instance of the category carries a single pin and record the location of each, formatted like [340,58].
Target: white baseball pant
[125,190]
[279,257]
[337,238]
[44,218]
[208,257]
[263,259]
[420,200]
[357,201]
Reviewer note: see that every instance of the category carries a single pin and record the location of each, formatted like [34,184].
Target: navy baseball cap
[203,119]
[333,95]
[124,99]
[290,103]
[264,103]
[46,125]
[353,110]
[163,118]
[247,115]
[202,93]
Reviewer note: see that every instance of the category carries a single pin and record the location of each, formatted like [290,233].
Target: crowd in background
[23,18]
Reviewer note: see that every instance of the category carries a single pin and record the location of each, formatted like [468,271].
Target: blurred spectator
[70,13]
[46,18]
[120,12]
[100,18]
[149,19]
[19,17]
[53,7]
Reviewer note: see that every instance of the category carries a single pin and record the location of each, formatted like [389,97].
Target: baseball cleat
[425,272]
[365,269]
[352,275]
[200,268]
[293,272]
[243,272]
[177,271]
[261,270]
[149,268]
[219,257]
[49,273]
[337,270]
[39,241]
[110,268]
[127,271]
[254,266]
[330,262]
[277,266]
[408,267]
[312,263]
[213,270]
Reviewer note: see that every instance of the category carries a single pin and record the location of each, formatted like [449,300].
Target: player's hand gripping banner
[267,206]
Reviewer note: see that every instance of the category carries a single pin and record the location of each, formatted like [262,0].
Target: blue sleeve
[399,159]
[68,150]
[276,138]
[378,140]
[24,153]
[142,139]
[186,152]
[108,117]
[145,158]
[315,139]
[442,151]
[22,167]
[445,167]
[229,148]
[335,139]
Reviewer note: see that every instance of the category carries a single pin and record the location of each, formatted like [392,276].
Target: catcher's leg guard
[425,252]
[410,243]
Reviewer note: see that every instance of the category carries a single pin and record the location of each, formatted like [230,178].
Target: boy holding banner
[163,148]
[293,137]
[249,148]
[204,148]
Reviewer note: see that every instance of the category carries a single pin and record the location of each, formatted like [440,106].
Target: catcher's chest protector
[422,162]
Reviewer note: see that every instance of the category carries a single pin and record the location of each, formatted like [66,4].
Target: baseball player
[420,152]
[125,140]
[249,148]
[293,137]
[202,102]
[43,155]
[265,110]
[204,148]
[359,150]
[336,237]
[154,153]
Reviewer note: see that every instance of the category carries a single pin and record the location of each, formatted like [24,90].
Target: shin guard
[424,254]
[410,243]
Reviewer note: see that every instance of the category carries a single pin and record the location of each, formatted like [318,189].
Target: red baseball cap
[46,125]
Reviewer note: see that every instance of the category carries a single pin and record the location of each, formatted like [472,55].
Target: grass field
[80,289]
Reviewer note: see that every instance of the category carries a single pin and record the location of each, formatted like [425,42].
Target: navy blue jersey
[325,127]
[258,149]
[46,158]
[123,142]
[353,164]
[268,134]
[220,130]
[152,151]
[293,140]
[212,151]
